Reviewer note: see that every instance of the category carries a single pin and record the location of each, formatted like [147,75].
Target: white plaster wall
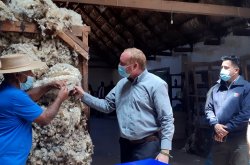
[231,45]
[173,62]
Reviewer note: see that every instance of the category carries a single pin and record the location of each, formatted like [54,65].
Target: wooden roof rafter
[173,6]
[139,42]
[90,21]
[121,41]
[163,37]
[117,26]
[148,34]
[123,25]
[105,27]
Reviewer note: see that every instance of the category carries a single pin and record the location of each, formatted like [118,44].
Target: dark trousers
[234,151]
[131,151]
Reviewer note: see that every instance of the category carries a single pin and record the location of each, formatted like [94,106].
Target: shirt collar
[138,78]
[238,81]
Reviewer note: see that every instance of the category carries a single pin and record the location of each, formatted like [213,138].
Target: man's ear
[237,70]
[135,65]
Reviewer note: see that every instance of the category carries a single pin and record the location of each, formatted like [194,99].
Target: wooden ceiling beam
[137,41]
[173,6]
[17,26]
[121,42]
[78,48]
[92,23]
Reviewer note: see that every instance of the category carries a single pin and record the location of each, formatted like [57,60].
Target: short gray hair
[137,56]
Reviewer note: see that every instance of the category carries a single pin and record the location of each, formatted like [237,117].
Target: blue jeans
[138,151]
[208,160]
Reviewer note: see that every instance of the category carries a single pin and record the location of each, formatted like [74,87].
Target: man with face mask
[18,110]
[143,110]
[228,111]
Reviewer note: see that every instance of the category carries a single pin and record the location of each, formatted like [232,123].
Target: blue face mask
[122,71]
[225,75]
[28,84]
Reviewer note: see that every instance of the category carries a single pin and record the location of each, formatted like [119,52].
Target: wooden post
[85,34]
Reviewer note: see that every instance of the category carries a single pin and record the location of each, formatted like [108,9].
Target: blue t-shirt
[17,111]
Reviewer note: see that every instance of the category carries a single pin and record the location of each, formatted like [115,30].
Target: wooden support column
[83,66]
[85,70]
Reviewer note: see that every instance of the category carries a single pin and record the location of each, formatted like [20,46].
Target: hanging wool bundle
[54,51]
[67,18]
[6,13]
[65,140]
[49,51]
[60,72]
[4,43]
[29,10]
[45,13]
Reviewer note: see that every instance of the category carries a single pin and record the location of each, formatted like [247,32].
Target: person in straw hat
[18,109]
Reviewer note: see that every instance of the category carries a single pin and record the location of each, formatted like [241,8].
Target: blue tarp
[144,162]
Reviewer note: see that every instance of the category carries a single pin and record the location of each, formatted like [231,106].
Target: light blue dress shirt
[142,107]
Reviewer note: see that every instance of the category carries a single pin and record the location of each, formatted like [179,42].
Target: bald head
[133,62]
[134,55]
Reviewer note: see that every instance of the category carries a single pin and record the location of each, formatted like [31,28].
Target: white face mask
[122,71]
[28,84]
[225,74]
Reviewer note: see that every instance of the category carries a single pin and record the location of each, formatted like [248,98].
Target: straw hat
[18,63]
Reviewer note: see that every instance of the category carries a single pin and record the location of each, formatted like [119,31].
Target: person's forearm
[50,113]
[98,104]
[38,92]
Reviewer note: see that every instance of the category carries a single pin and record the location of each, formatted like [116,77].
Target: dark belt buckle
[149,138]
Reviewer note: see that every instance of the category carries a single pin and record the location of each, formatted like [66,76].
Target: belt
[150,138]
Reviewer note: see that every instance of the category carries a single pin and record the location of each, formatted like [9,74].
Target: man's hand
[63,93]
[219,138]
[163,157]
[37,92]
[78,92]
[220,130]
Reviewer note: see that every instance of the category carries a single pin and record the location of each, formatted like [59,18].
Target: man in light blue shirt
[143,109]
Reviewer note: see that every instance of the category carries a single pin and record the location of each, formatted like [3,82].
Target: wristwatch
[166,154]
